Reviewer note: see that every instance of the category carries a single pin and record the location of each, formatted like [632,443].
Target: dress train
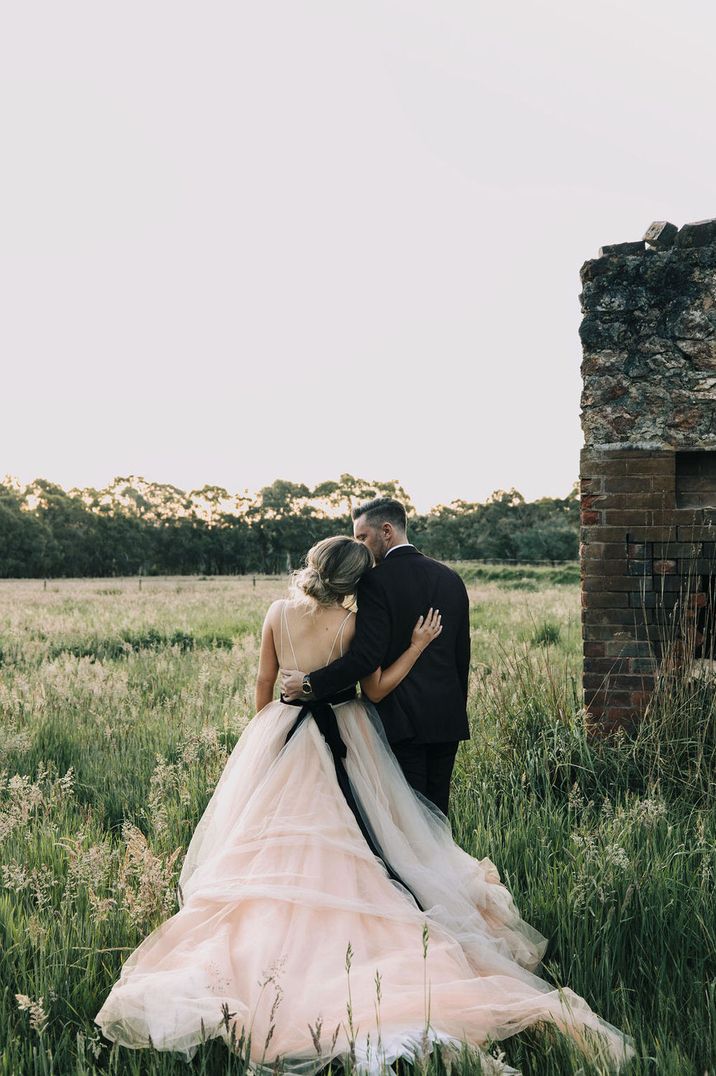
[278,881]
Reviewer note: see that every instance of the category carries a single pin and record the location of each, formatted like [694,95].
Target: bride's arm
[268,665]
[381,682]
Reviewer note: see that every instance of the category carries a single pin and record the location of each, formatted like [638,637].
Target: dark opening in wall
[696,479]
[706,620]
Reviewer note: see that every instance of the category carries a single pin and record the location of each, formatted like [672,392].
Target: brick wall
[648,466]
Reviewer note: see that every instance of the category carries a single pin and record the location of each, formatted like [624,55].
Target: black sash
[321,710]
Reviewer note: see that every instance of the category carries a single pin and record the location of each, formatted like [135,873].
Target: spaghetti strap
[284,620]
[339,634]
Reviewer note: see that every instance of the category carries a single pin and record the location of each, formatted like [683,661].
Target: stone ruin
[648,465]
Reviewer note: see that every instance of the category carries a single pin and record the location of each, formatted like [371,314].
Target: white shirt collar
[401,546]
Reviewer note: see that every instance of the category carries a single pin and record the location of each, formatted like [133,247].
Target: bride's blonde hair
[331,571]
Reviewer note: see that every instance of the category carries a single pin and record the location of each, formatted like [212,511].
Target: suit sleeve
[462,648]
[368,648]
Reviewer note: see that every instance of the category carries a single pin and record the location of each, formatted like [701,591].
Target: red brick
[627,648]
[629,682]
[651,533]
[617,582]
[630,517]
[609,665]
[628,484]
[651,464]
[642,665]
[588,519]
[618,717]
[603,533]
[677,549]
[591,649]
[639,567]
[664,567]
[610,452]
[595,679]
[597,467]
[693,517]
[605,566]
[659,499]
[653,600]
[607,599]
[694,566]
[625,501]
[615,616]
[608,632]
[597,550]
[670,582]
[607,698]
[650,631]
[696,533]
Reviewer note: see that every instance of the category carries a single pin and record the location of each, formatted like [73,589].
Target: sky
[248,241]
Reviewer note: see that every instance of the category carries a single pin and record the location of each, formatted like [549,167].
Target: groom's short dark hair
[382,510]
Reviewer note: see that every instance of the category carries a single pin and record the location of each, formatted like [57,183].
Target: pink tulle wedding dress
[279,880]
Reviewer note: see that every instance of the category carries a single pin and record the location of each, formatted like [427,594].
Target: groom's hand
[292,684]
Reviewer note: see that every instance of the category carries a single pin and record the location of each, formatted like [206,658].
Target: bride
[324,908]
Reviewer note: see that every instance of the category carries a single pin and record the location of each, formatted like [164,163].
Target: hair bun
[344,558]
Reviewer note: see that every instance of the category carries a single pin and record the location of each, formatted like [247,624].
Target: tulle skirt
[291,929]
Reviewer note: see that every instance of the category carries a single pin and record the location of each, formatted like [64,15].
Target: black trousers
[428,768]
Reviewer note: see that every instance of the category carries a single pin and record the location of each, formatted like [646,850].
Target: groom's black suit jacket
[429,706]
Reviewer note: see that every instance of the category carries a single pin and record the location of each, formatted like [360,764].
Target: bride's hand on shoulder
[427,628]
[381,682]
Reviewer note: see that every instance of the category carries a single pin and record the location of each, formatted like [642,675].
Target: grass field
[119,706]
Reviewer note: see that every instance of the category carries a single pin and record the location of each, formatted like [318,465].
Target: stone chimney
[648,465]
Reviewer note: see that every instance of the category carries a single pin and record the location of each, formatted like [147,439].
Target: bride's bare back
[309,638]
[298,636]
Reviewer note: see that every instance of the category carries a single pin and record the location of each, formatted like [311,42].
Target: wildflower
[226,1016]
[38,1016]
[575,799]
[316,1035]
[66,783]
[92,1043]
[15,877]
[145,879]
[615,855]
[101,906]
[36,929]
[648,812]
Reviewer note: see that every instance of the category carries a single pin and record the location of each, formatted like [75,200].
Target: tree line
[134,526]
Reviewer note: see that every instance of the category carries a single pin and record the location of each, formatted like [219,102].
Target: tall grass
[108,758]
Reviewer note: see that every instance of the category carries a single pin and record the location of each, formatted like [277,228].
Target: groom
[425,717]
